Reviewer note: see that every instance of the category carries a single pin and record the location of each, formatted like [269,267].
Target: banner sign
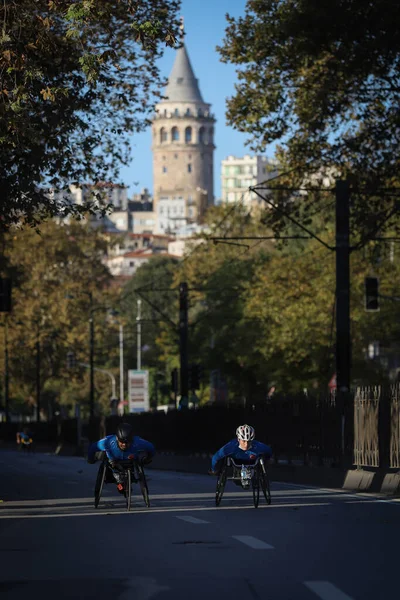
[138,390]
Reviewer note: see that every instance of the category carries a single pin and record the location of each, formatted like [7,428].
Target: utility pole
[343,338]
[139,332]
[183,343]
[38,382]
[121,363]
[91,358]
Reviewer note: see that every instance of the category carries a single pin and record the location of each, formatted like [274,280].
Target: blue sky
[205,25]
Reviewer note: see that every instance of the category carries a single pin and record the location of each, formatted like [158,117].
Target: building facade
[183,150]
[238,174]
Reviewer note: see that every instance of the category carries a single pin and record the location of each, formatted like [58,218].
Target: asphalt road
[310,543]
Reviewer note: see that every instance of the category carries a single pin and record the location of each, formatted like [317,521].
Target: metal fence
[377,427]
[366,408]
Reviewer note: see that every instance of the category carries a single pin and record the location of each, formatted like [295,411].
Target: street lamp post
[6,372]
[139,332]
[38,379]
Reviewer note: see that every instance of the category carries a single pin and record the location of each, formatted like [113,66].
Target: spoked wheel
[264,480]
[128,489]
[256,488]
[98,488]
[143,485]
[221,481]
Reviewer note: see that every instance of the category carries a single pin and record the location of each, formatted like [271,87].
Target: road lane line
[253,542]
[326,590]
[192,520]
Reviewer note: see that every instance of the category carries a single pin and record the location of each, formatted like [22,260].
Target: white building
[186,238]
[113,193]
[170,214]
[127,264]
[238,174]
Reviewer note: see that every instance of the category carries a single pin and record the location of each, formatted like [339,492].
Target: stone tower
[183,147]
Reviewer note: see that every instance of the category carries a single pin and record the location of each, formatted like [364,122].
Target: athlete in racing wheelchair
[248,459]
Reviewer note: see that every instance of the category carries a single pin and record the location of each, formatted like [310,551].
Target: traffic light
[5,295]
[371,294]
[70,360]
[174,381]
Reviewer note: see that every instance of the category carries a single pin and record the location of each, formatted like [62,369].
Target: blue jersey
[233,449]
[110,446]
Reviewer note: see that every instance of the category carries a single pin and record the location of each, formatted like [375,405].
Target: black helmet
[125,433]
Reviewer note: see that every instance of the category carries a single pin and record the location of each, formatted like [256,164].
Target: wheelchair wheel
[143,485]
[98,488]
[221,481]
[128,489]
[256,488]
[264,480]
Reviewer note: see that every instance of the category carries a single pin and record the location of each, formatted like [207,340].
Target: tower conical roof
[182,84]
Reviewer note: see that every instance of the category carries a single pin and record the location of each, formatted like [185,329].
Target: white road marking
[326,590]
[253,542]
[192,520]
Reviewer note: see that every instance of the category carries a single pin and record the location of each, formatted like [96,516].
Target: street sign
[138,390]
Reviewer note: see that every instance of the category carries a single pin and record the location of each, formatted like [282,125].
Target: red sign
[332,382]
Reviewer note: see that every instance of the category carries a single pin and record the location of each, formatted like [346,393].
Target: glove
[91,461]
[211,472]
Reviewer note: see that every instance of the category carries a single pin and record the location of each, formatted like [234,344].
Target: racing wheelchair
[249,476]
[132,472]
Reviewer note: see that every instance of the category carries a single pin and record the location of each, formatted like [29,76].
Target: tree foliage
[322,79]
[58,279]
[77,79]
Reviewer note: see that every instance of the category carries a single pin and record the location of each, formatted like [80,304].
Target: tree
[323,80]
[153,285]
[58,277]
[77,79]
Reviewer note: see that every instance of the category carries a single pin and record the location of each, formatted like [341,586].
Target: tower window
[189,168]
[175,156]
[164,169]
[201,135]
[200,112]
[176,112]
[188,134]
[175,134]
[179,80]
[163,135]
[188,112]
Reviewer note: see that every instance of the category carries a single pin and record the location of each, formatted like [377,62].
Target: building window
[189,168]
[163,135]
[200,112]
[176,113]
[131,263]
[179,80]
[201,135]
[164,169]
[210,135]
[188,134]
[175,134]
[188,113]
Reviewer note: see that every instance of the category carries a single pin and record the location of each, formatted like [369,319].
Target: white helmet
[245,433]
